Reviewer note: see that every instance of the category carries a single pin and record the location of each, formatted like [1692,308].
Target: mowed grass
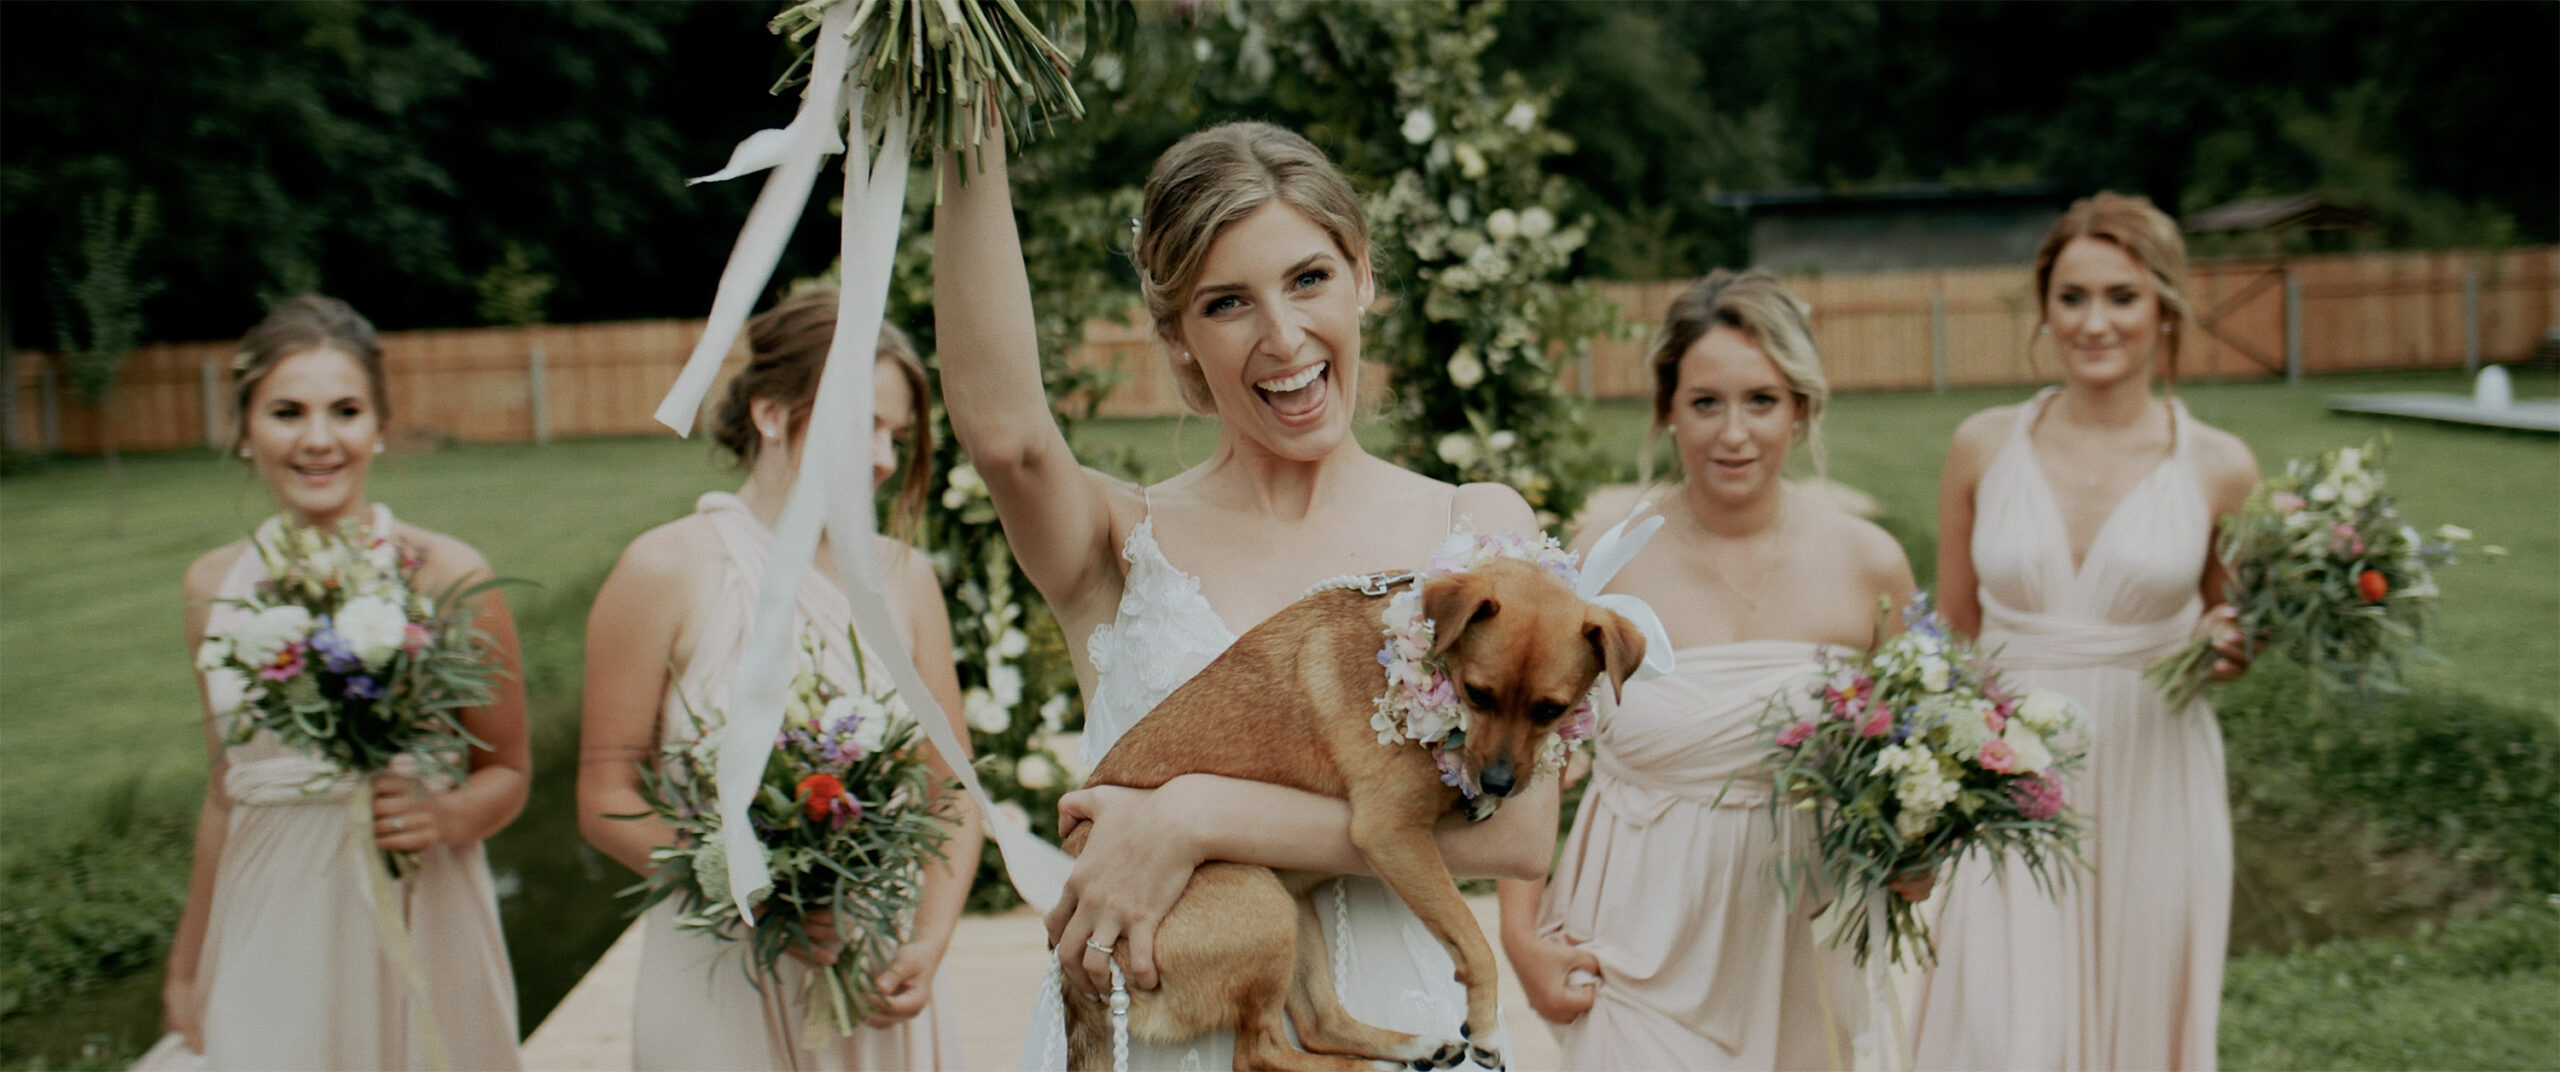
[94,686]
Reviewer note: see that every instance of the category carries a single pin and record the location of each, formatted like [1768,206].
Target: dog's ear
[1453,603]
[1618,643]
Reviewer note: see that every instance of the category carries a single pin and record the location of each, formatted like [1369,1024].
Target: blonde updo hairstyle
[299,326]
[2133,224]
[786,350]
[1752,303]
[1210,180]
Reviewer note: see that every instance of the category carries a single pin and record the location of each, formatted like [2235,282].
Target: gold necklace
[1750,597]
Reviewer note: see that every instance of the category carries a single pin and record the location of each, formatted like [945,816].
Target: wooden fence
[1907,330]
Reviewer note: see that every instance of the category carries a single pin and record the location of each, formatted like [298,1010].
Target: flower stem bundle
[952,63]
[1912,756]
[2323,569]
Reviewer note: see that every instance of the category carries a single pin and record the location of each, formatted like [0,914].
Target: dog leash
[1367,584]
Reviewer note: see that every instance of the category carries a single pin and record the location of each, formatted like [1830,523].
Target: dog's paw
[1487,1052]
[1438,1053]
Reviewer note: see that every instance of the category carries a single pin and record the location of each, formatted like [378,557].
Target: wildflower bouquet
[849,815]
[1914,755]
[955,63]
[341,657]
[2324,570]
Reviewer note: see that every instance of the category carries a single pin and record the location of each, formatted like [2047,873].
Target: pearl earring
[244,453]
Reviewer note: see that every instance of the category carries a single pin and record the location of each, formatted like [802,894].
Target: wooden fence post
[209,390]
[49,415]
[2471,321]
[2292,328]
[538,390]
[1938,341]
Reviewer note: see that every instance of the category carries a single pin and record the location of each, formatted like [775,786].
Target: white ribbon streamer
[1611,553]
[831,496]
[769,225]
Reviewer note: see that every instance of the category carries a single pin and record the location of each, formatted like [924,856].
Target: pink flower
[286,664]
[1998,719]
[2038,797]
[1879,721]
[1580,723]
[1996,756]
[415,640]
[1439,693]
[2287,502]
[1795,735]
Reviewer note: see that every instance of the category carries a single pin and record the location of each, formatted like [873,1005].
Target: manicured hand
[2232,651]
[1561,978]
[1133,868]
[824,944]
[906,985]
[404,815]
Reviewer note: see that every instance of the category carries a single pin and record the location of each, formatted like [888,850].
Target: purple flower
[335,653]
[363,688]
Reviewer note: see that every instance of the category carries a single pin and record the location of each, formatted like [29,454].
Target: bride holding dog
[1662,941]
[1253,256]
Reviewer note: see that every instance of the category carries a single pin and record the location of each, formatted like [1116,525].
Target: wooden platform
[2529,415]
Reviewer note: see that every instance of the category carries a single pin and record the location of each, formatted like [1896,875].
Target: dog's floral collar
[1421,703]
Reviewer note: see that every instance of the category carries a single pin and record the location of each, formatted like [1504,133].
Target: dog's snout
[1498,779]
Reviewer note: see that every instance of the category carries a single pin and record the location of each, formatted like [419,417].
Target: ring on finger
[399,824]
[1103,948]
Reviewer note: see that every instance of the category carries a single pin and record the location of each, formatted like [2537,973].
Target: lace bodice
[1165,632]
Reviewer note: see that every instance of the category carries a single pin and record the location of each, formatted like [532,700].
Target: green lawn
[100,741]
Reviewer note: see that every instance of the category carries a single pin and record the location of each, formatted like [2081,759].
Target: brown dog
[1290,704]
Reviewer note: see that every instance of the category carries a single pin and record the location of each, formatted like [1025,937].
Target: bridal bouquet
[2324,570]
[341,656]
[848,813]
[1914,755]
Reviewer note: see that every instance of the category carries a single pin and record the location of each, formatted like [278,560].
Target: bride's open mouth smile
[1298,396]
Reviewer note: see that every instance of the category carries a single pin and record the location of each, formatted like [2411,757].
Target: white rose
[2046,711]
[871,732]
[1012,644]
[1521,117]
[1465,371]
[1036,771]
[1005,682]
[225,691]
[270,631]
[1933,674]
[1470,162]
[1419,126]
[1537,223]
[1458,449]
[1053,711]
[2028,747]
[838,710]
[211,653]
[1502,224]
[373,627]
[983,712]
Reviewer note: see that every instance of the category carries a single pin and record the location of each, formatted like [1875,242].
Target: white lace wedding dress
[1389,969]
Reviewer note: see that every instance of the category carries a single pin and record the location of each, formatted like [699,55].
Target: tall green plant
[98,311]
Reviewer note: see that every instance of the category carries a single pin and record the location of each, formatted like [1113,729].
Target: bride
[1253,259]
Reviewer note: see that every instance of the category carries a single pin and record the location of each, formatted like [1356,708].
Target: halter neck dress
[1388,968]
[2124,969]
[294,969]
[694,1007]
[1668,879]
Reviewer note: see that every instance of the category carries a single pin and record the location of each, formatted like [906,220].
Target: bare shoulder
[2223,456]
[1865,545]
[668,552]
[445,559]
[1607,506]
[205,574]
[1494,506]
[903,564]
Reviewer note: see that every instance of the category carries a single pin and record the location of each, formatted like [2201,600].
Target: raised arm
[1958,596]
[1056,514]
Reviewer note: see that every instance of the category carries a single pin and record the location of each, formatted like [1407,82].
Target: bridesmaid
[275,963]
[667,630]
[1661,941]
[2075,534]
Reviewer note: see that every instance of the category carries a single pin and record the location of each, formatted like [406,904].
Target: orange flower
[818,794]
[2373,585]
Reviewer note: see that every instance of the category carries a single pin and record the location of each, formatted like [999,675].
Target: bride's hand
[1135,863]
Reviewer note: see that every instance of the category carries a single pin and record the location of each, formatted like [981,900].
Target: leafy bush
[93,907]
[2460,997]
